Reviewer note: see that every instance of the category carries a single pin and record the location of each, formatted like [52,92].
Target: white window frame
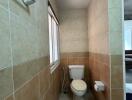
[53,40]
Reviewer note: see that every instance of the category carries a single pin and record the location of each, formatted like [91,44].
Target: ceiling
[84,4]
[73,3]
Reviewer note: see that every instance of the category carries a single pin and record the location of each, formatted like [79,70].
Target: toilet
[78,86]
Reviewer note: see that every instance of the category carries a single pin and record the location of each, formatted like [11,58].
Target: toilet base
[78,97]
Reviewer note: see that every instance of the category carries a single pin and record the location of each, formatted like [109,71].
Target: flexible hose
[63,81]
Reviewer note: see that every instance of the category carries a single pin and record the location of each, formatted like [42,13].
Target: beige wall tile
[116,59]
[116,76]
[98,27]
[9,97]
[101,7]
[30,91]
[44,81]
[100,70]
[73,31]
[98,46]
[24,72]
[6,82]
[117,94]
[79,46]
[54,90]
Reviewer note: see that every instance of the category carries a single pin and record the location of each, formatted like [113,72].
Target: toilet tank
[76,71]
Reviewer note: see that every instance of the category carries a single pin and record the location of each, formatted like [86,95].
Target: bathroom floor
[88,96]
[64,97]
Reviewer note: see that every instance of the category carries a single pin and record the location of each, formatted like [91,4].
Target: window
[53,39]
[128,34]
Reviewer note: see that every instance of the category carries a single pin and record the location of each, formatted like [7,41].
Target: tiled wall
[105,46]
[43,86]
[115,9]
[24,61]
[73,30]
[99,70]
[98,46]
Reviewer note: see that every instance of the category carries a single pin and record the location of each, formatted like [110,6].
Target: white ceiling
[73,3]
[128,7]
[84,4]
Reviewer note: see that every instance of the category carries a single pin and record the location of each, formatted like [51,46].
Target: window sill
[54,66]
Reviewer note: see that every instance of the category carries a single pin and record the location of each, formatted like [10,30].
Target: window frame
[53,38]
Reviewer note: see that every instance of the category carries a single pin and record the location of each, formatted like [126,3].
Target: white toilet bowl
[78,87]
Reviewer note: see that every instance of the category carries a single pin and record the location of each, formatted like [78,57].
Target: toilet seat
[79,85]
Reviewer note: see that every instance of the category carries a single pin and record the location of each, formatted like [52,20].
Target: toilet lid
[79,85]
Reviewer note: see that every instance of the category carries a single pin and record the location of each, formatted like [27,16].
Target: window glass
[50,38]
[53,38]
[128,34]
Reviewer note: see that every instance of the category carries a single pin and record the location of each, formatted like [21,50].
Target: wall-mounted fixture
[29,2]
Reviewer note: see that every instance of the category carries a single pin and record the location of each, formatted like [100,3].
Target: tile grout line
[25,83]
[39,86]
[11,48]
[11,62]
[47,89]
[7,9]
[109,47]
